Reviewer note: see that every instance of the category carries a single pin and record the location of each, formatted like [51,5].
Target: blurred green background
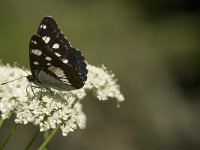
[152,46]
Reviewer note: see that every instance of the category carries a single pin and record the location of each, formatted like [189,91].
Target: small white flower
[48,110]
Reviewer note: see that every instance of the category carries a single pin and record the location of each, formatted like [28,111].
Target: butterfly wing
[54,38]
[44,61]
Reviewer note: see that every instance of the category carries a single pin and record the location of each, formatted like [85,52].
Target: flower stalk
[1,121]
[9,134]
[32,140]
[49,137]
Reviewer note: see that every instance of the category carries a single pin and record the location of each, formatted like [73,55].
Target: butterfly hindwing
[43,60]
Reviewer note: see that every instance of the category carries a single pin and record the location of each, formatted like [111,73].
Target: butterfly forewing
[54,38]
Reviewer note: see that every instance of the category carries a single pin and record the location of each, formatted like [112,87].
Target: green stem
[1,121]
[46,134]
[50,136]
[9,134]
[32,140]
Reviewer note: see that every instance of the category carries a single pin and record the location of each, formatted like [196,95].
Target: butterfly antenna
[12,80]
[17,78]
[20,67]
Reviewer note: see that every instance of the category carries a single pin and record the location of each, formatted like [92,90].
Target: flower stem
[46,134]
[32,140]
[9,134]
[1,121]
[49,137]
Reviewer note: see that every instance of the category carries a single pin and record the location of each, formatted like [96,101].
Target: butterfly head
[30,78]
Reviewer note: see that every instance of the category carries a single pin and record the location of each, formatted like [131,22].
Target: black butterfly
[53,62]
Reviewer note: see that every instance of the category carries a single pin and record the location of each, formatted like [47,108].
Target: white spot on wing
[57,54]
[44,26]
[48,64]
[46,39]
[48,58]
[37,52]
[65,61]
[33,41]
[55,46]
[57,71]
[36,63]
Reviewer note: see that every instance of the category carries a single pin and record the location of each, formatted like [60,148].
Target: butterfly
[53,62]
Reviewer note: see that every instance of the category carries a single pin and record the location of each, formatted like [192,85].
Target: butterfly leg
[31,89]
[27,88]
[47,89]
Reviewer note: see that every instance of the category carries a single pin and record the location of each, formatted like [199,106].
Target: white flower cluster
[103,83]
[51,109]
